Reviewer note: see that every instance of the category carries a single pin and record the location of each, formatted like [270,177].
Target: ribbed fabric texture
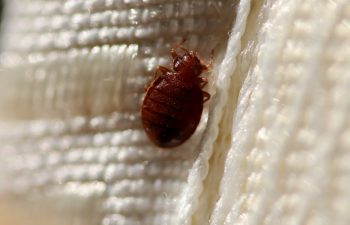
[287,160]
[272,147]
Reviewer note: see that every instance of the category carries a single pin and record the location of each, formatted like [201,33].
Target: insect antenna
[179,45]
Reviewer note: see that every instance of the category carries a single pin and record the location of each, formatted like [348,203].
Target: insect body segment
[173,104]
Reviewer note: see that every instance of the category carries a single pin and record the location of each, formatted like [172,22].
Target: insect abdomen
[171,113]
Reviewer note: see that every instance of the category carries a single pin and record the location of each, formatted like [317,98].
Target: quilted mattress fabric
[271,148]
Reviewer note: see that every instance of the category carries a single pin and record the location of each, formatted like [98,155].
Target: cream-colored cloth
[271,148]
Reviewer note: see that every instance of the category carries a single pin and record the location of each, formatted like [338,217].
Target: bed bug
[173,103]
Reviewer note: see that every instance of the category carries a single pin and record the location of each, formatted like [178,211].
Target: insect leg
[185,50]
[149,83]
[206,96]
[155,76]
[203,81]
[174,53]
[163,70]
[179,45]
[147,86]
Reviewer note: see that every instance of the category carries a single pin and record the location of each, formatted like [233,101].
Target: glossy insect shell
[173,103]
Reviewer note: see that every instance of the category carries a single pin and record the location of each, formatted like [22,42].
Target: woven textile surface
[271,148]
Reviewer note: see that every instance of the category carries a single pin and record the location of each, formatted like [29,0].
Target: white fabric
[287,161]
[72,148]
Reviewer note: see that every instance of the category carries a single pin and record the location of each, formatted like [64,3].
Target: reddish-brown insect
[173,104]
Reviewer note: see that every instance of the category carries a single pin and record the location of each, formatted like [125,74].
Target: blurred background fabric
[272,146]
